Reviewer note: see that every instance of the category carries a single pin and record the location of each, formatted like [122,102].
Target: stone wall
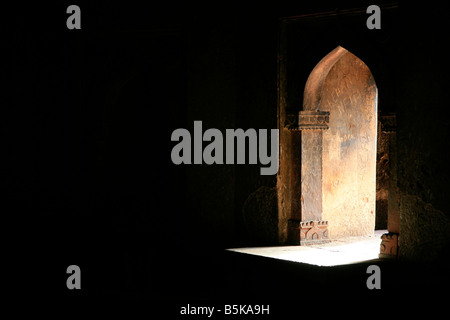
[382,195]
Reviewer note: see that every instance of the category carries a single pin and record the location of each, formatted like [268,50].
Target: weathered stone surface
[349,93]
[314,85]
[311,175]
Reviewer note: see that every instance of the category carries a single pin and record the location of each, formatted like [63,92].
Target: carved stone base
[308,232]
[389,246]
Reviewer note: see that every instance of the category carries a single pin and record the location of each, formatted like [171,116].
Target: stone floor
[337,252]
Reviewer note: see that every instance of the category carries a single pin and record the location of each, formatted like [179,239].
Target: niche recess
[336,132]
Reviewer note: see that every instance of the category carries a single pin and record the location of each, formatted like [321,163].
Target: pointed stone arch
[338,126]
[350,94]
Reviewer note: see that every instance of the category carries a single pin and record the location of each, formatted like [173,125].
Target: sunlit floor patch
[338,252]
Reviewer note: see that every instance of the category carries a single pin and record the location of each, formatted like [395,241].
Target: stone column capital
[313,120]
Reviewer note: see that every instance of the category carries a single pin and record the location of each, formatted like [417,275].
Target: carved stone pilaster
[310,228]
[389,246]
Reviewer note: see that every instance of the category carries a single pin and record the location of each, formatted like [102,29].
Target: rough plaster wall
[349,148]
